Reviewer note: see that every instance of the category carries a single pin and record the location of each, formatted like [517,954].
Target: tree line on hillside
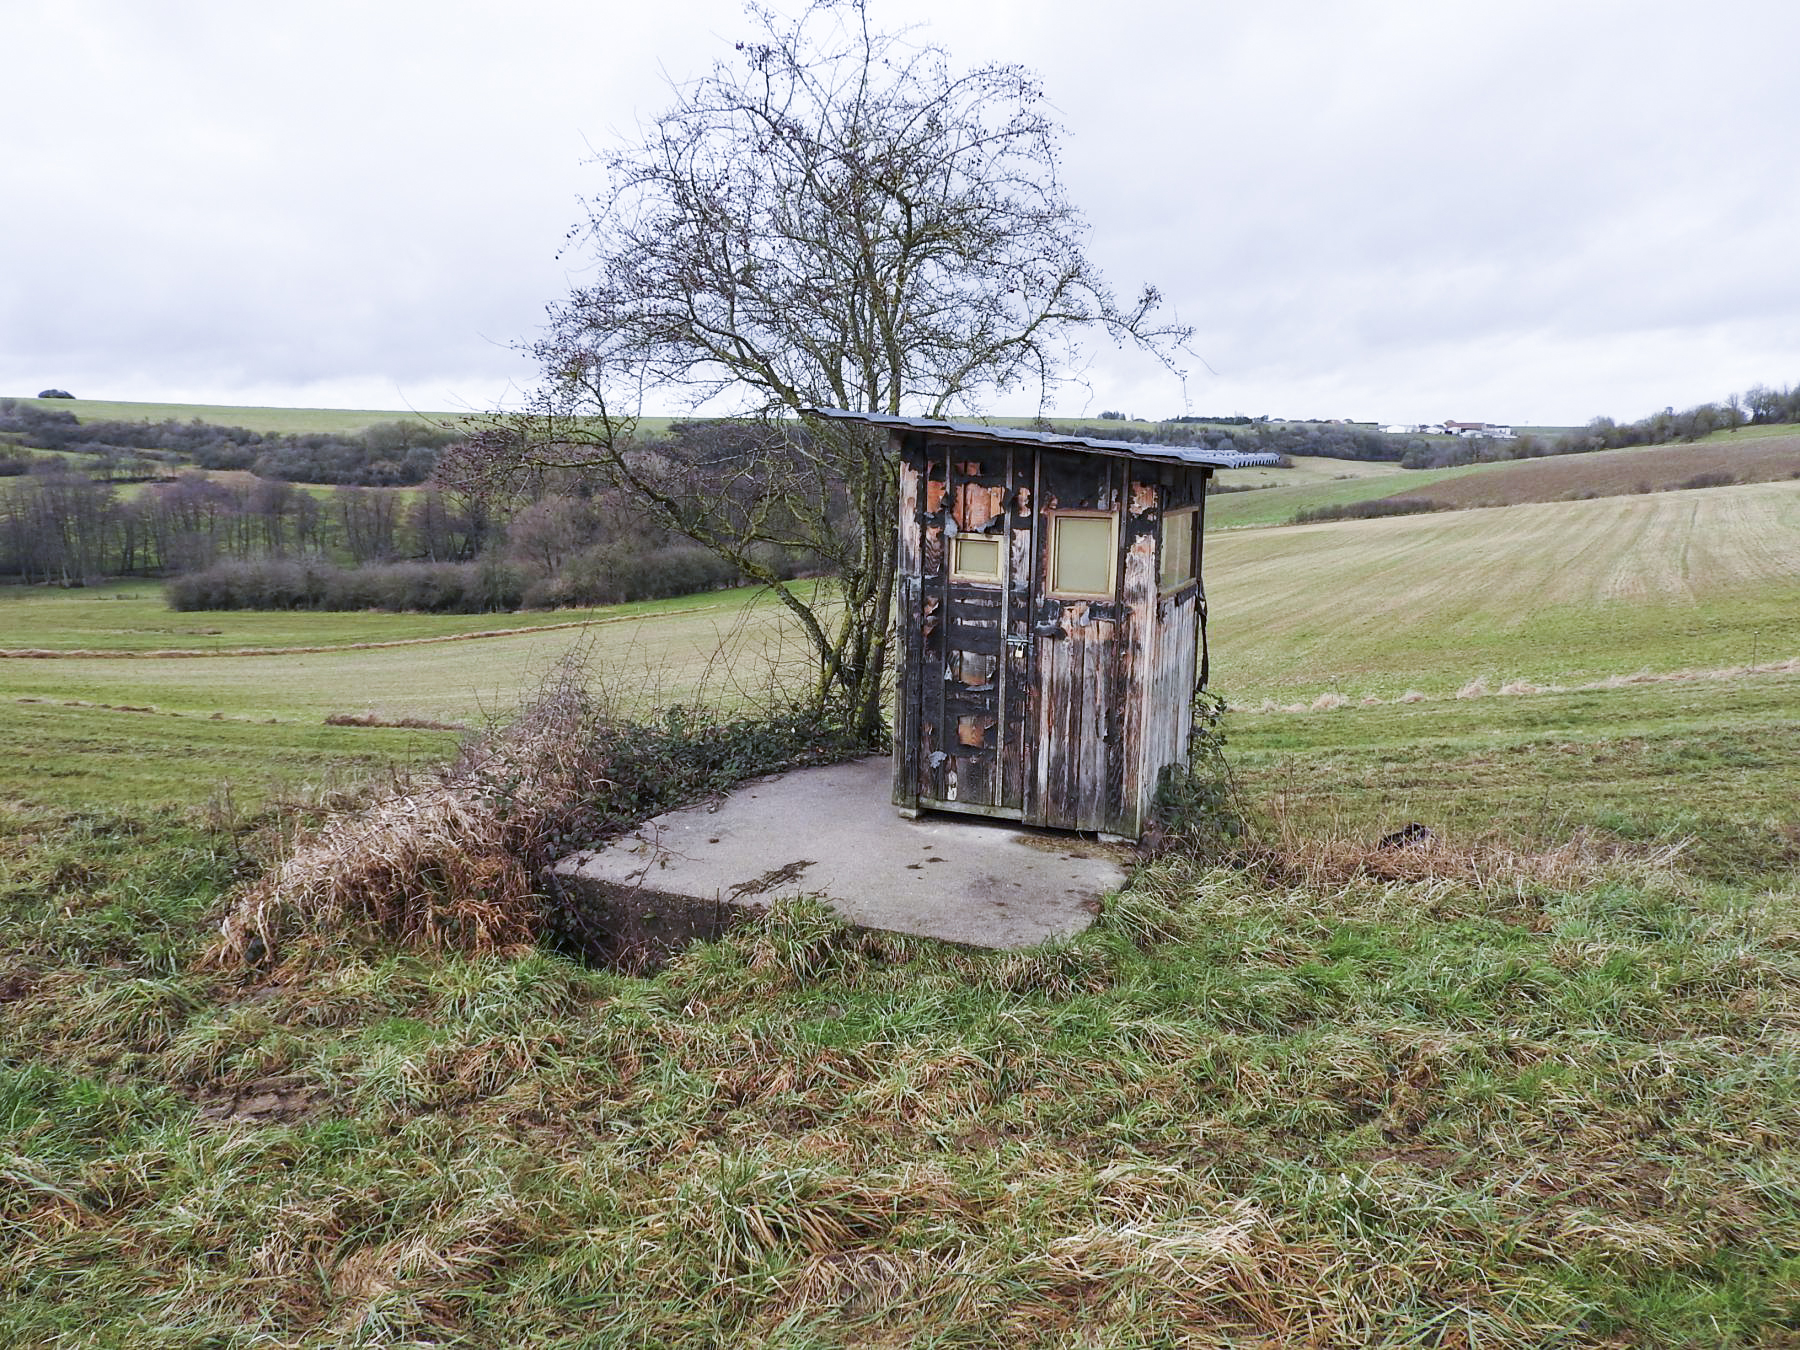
[72,511]
[249,542]
[388,454]
[1329,440]
[1757,406]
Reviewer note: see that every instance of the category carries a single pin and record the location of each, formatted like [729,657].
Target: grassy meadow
[1536,1083]
[1333,483]
[1560,592]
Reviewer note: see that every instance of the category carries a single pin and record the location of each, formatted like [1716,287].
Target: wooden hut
[1051,620]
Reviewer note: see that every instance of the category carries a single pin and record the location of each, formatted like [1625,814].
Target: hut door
[1079,751]
[972,686]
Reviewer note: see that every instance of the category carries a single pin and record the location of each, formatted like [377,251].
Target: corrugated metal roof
[1176,454]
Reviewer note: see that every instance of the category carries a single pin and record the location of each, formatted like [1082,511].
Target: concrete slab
[834,832]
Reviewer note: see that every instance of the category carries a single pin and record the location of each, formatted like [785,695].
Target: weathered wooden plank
[1095,701]
[908,450]
[1136,657]
[1019,748]
[1051,654]
[912,472]
[1064,803]
[1025,548]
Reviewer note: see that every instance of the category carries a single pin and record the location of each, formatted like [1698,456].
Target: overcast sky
[1529,211]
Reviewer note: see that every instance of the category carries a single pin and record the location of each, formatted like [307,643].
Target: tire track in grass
[175,653]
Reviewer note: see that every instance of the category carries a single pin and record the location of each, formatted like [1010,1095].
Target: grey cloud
[1393,208]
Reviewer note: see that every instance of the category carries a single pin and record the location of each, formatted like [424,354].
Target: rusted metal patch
[972,730]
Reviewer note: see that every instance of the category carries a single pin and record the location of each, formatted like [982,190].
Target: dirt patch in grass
[16,985]
[372,720]
[273,1101]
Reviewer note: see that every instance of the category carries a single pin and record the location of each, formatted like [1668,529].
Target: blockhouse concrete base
[834,832]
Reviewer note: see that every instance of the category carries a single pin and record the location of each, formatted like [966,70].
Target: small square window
[975,557]
[1177,549]
[1083,551]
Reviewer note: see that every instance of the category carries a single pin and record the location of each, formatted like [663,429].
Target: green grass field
[1562,592]
[1536,1085]
[132,616]
[279,421]
[1750,453]
[1334,483]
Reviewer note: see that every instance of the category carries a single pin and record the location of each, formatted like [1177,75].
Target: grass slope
[1564,593]
[1512,1112]
[1277,505]
[134,617]
[1561,592]
[1706,761]
[1748,455]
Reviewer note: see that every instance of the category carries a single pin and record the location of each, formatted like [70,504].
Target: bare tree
[834,217]
[370,519]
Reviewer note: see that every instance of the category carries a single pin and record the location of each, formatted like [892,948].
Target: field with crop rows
[1562,593]
[1559,592]
[1616,473]
[1333,483]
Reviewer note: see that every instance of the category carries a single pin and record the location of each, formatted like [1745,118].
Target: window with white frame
[1084,554]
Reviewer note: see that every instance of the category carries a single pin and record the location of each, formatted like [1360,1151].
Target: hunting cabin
[1051,620]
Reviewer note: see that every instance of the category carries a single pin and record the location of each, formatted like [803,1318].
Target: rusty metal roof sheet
[1176,454]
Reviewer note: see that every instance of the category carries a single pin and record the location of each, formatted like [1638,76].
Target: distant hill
[269,421]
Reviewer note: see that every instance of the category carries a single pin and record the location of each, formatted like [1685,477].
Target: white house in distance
[1492,431]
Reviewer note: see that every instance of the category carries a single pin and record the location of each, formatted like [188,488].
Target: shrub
[1717,478]
[480,587]
[1384,506]
[1198,809]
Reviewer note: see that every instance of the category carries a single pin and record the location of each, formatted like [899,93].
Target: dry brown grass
[373,720]
[447,864]
[1480,688]
[1292,857]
